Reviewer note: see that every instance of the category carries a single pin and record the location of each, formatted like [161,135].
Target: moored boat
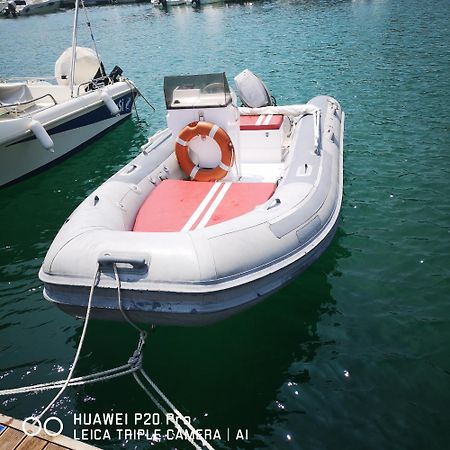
[218,211]
[15,8]
[166,3]
[202,2]
[42,122]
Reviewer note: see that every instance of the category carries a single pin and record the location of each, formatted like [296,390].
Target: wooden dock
[12,437]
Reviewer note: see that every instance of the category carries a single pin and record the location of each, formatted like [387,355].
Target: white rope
[194,172]
[152,383]
[181,142]
[175,410]
[164,411]
[79,381]
[134,365]
[80,345]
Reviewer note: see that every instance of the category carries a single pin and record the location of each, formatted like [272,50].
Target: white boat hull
[187,309]
[70,125]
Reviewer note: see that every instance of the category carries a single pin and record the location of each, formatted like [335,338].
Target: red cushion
[262,122]
[176,205]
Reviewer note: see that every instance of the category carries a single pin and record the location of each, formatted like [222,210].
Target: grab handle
[134,261]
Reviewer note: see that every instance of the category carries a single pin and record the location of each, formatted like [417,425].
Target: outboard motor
[116,73]
[252,91]
[87,66]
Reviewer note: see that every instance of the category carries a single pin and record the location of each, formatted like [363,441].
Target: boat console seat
[261,138]
[177,205]
[261,122]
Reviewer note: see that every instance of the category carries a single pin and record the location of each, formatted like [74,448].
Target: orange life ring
[202,128]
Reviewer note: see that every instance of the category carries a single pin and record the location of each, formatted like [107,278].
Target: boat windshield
[197,91]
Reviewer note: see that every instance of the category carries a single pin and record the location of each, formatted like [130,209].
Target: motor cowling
[252,91]
[87,66]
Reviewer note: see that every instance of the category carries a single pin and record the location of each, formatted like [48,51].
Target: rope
[139,93]
[177,413]
[163,410]
[119,301]
[80,345]
[145,100]
[79,381]
[133,366]
[88,23]
[152,383]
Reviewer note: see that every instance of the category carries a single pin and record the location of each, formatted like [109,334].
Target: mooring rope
[133,366]
[80,345]
[79,381]
[152,383]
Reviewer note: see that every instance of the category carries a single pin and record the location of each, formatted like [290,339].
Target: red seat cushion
[262,122]
[176,205]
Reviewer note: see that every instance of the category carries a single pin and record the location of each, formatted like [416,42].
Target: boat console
[204,120]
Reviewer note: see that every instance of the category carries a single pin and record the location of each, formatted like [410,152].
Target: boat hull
[24,155]
[202,275]
[44,7]
[176,308]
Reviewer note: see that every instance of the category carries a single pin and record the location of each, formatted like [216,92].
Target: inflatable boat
[219,210]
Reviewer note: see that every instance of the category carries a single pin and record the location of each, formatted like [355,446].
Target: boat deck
[12,437]
[176,205]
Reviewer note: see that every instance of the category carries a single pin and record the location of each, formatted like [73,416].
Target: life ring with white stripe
[194,171]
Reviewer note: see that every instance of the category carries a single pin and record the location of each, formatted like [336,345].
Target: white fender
[42,136]
[109,102]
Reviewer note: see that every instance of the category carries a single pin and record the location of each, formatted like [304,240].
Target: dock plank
[51,446]
[10,438]
[32,443]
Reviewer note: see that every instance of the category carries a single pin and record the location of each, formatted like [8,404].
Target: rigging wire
[88,23]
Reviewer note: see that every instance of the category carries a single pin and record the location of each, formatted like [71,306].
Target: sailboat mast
[74,48]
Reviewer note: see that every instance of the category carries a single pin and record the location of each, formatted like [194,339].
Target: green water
[354,354]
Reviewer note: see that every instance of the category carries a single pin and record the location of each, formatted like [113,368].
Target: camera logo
[39,426]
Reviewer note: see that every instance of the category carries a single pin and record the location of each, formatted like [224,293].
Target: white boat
[165,3]
[15,8]
[218,211]
[202,2]
[43,122]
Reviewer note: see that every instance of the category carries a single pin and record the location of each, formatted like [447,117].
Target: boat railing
[6,80]
[95,83]
[7,106]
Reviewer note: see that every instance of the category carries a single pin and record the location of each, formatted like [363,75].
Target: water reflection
[226,375]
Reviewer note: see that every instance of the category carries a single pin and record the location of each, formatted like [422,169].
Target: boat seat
[261,138]
[176,205]
[261,122]
[15,94]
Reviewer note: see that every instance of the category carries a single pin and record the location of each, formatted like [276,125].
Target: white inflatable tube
[109,102]
[42,136]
